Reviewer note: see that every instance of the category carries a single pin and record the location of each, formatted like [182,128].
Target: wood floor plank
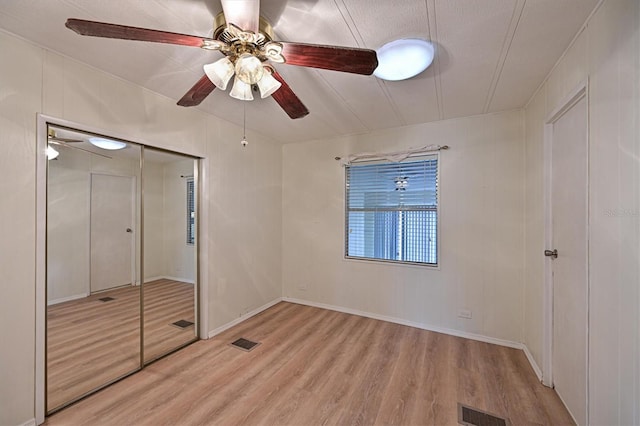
[319,367]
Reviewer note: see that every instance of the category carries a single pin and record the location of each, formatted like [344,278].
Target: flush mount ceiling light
[108,144]
[403,59]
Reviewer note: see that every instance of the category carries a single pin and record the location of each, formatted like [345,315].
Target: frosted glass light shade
[220,72]
[268,85]
[109,144]
[249,68]
[403,59]
[241,90]
[51,153]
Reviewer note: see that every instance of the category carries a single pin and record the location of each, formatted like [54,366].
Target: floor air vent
[182,324]
[106,299]
[472,417]
[244,344]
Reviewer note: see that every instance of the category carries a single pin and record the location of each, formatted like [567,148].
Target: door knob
[551,253]
[129,230]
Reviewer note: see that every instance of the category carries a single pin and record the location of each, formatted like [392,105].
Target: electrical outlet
[464,313]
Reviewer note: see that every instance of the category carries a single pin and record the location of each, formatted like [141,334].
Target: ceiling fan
[247,42]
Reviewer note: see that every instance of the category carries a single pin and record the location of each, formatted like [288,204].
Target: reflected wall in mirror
[169,252]
[93,302]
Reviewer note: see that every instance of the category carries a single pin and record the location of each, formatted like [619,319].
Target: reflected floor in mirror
[167,302]
[92,341]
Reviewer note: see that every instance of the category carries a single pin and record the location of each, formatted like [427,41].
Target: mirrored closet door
[169,296]
[104,322]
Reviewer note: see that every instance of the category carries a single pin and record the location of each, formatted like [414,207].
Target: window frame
[402,263]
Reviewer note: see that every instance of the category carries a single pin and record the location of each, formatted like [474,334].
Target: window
[392,211]
[191,212]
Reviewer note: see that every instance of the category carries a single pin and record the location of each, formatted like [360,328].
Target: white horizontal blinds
[392,210]
[191,212]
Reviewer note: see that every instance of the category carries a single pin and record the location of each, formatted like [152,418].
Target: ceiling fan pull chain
[244,141]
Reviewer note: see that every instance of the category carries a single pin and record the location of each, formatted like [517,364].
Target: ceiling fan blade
[288,100]
[336,58]
[197,93]
[103,29]
[65,140]
[65,144]
[244,14]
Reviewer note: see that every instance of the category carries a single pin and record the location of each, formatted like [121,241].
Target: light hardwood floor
[90,342]
[316,366]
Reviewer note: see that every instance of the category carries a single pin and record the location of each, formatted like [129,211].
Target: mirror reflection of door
[112,223]
[169,252]
[93,305]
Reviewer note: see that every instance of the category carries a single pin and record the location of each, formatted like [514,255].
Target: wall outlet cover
[464,313]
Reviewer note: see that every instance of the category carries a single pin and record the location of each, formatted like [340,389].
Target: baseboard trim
[165,277]
[184,280]
[243,318]
[30,422]
[532,361]
[449,331]
[66,299]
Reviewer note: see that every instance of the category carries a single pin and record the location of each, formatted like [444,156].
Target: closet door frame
[202,214]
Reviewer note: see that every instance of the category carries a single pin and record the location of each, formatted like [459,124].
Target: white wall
[481,229]
[154,255]
[246,202]
[243,218]
[607,53]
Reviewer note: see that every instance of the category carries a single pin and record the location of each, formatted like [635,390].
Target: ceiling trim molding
[504,53]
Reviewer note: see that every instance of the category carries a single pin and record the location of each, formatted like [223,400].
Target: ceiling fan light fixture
[404,58]
[52,153]
[220,72]
[268,85]
[108,144]
[249,68]
[241,90]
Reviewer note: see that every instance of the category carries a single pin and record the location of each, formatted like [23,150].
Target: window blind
[191,212]
[392,210]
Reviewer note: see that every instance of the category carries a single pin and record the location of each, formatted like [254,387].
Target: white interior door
[112,223]
[569,229]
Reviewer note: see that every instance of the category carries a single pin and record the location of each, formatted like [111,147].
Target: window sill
[423,266]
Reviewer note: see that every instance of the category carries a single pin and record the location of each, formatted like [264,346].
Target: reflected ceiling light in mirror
[403,59]
[52,154]
[108,144]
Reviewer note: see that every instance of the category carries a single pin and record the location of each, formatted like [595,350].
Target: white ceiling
[491,55]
